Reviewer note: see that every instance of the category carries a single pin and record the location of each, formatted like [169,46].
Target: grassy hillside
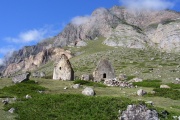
[57,103]
[145,64]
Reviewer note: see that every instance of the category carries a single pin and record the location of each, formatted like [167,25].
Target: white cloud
[28,36]
[79,20]
[147,4]
[7,50]
[33,35]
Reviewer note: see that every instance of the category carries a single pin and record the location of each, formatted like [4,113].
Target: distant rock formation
[104,70]
[35,61]
[63,69]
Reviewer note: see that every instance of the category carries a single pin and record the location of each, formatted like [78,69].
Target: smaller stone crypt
[103,71]
[63,69]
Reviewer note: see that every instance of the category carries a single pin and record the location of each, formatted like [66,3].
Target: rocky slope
[34,61]
[127,25]
[120,27]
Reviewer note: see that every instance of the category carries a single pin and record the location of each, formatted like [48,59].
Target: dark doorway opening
[59,68]
[104,75]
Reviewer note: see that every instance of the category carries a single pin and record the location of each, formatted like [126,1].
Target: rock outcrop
[35,61]
[63,69]
[138,112]
[20,78]
[127,36]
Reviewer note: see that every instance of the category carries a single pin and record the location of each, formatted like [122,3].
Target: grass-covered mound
[21,89]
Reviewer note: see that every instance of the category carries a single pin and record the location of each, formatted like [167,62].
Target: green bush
[149,83]
[174,86]
[167,93]
[89,83]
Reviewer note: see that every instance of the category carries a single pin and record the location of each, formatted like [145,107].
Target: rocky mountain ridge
[120,26]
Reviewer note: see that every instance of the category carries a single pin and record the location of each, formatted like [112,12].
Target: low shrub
[174,86]
[89,83]
[167,93]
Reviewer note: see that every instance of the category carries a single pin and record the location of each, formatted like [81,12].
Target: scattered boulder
[86,77]
[136,80]
[20,78]
[149,102]
[11,110]
[6,101]
[122,77]
[153,92]
[65,88]
[141,92]
[14,99]
[76,86]
[88,91]
[138,112]
[28,96]
[164,86]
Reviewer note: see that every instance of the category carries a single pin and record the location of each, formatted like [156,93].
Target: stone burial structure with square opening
[63,69]
[103,71]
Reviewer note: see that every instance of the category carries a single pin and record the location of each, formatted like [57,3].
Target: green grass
[58,103]
[70,107]
[149,83]
[167,93]
[89,83]
[20,90]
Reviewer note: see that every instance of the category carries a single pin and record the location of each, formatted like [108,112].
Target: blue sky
[25,22]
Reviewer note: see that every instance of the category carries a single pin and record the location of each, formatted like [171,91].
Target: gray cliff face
[124,27]
[100,23]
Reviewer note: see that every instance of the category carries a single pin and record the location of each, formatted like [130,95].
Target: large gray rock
[141,92]
[88,91]
[20,78]
[138,112]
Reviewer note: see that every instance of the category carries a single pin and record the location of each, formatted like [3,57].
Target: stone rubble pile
[114,82]
[138,112]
